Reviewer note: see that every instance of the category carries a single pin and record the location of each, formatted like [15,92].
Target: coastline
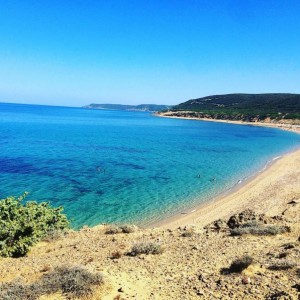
[267,191]
[282,126]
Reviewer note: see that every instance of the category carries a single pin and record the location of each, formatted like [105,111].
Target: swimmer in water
[100,170]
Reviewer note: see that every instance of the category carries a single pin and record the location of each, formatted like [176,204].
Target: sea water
[119,166]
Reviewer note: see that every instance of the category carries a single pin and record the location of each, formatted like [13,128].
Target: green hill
[245,107]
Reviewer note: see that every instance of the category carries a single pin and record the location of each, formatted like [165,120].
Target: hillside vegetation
[244,107]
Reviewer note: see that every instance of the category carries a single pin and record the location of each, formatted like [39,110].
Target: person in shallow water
[100,170]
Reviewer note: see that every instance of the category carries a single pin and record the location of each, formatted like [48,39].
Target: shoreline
[262,192]
[242,196]
[283,126]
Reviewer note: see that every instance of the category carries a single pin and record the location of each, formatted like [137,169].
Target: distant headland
[140,107]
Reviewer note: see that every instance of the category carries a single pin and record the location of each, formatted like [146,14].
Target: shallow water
[117,166]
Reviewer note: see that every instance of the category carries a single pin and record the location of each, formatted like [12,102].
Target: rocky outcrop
[246,216]
[238,220]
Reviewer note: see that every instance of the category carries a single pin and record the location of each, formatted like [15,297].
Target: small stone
[199,292]
[120,290]
[219,282]
[246,280]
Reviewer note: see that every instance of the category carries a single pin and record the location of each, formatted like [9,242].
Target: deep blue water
[117,166]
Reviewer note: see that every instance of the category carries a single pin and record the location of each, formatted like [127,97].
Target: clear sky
[76,52]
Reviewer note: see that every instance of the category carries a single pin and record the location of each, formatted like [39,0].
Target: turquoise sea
[118,166]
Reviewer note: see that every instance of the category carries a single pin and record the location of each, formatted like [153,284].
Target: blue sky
[77,52]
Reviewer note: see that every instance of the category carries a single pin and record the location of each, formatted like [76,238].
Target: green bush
[24,224]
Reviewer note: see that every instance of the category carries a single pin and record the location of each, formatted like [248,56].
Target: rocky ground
[195,263]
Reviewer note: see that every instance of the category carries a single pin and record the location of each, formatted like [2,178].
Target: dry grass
[188,232]
[259,229]
[283,264]
[146,248]
[240,264]
[16,290]
[72,282]
[113,229]
[55,235]
[126,228]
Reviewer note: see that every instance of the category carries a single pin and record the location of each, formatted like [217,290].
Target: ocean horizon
[109,166]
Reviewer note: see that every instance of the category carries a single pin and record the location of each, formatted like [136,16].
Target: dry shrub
[126,228]
[188,232]
[16,290]
[113,229]
[283,264]
[55,235]
[259,229]
[116,254]
[146,248]
[73,282]
[240,264]
[283,255]
[76,281]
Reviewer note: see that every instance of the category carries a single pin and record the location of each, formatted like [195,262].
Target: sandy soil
[191,266]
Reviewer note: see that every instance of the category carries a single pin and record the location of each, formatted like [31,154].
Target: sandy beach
[267,192]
